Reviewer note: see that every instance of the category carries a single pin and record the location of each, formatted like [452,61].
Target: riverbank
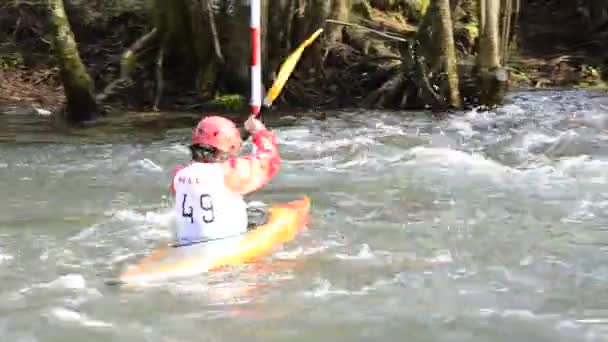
[545,55]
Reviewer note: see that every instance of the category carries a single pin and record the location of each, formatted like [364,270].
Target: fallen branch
[378,96]
[385,27]
[380,33]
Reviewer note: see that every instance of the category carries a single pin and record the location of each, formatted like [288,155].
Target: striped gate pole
[256,68]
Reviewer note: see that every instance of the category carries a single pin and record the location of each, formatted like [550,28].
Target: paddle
[285,71]
[287,68]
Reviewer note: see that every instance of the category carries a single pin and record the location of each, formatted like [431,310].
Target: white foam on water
[256,204]
[585,167]
[85,233]
[534,139]
[148,165]
[298,252]
[72,282]
[5,257]
[512,109]
[69,281]
[365,253]
[120,257]
[584,211]
[323,289]
[356,162]
[232,289]
[181,149]
[463,128]
[129,215]
[453,162]
[69,316]
[593,320]
[567,324]
[162,218]
[559,323]
[567,173]
[441,257]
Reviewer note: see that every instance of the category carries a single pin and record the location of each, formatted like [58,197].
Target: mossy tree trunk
[77,84]
[505,26]
[489,53]
[449,54]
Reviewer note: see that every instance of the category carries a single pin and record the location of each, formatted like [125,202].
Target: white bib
[204,208]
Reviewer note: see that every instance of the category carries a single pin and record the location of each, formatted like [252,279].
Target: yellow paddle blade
[286,69]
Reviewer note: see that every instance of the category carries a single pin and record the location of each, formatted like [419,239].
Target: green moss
[362,8]
[11,61]
[584,84]
[590,72]
[472,29]
[517,75]
[415,10]
[229,101]
[591,78]
[423,5]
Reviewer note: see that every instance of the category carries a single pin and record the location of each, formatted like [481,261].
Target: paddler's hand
[253,125]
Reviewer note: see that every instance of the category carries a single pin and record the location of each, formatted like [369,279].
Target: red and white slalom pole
[256,62]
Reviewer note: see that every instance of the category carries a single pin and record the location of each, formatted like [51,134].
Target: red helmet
[218,132]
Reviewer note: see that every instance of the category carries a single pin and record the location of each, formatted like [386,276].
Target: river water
[482,226]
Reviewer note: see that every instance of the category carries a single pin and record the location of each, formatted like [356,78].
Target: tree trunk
[449,53]
[340,10]
[489,56]
[507,12]
[492,77]
[317,12]
[77,84]
[264,46]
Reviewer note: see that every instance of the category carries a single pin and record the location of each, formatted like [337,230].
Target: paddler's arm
[244,175]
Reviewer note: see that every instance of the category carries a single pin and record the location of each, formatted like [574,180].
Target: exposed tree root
[381,34]
[386,93]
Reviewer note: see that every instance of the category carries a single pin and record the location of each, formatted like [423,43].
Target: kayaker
[209,190]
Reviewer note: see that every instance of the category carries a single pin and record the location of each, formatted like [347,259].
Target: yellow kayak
[166,262]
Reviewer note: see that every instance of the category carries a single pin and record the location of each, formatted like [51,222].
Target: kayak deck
[285,221]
